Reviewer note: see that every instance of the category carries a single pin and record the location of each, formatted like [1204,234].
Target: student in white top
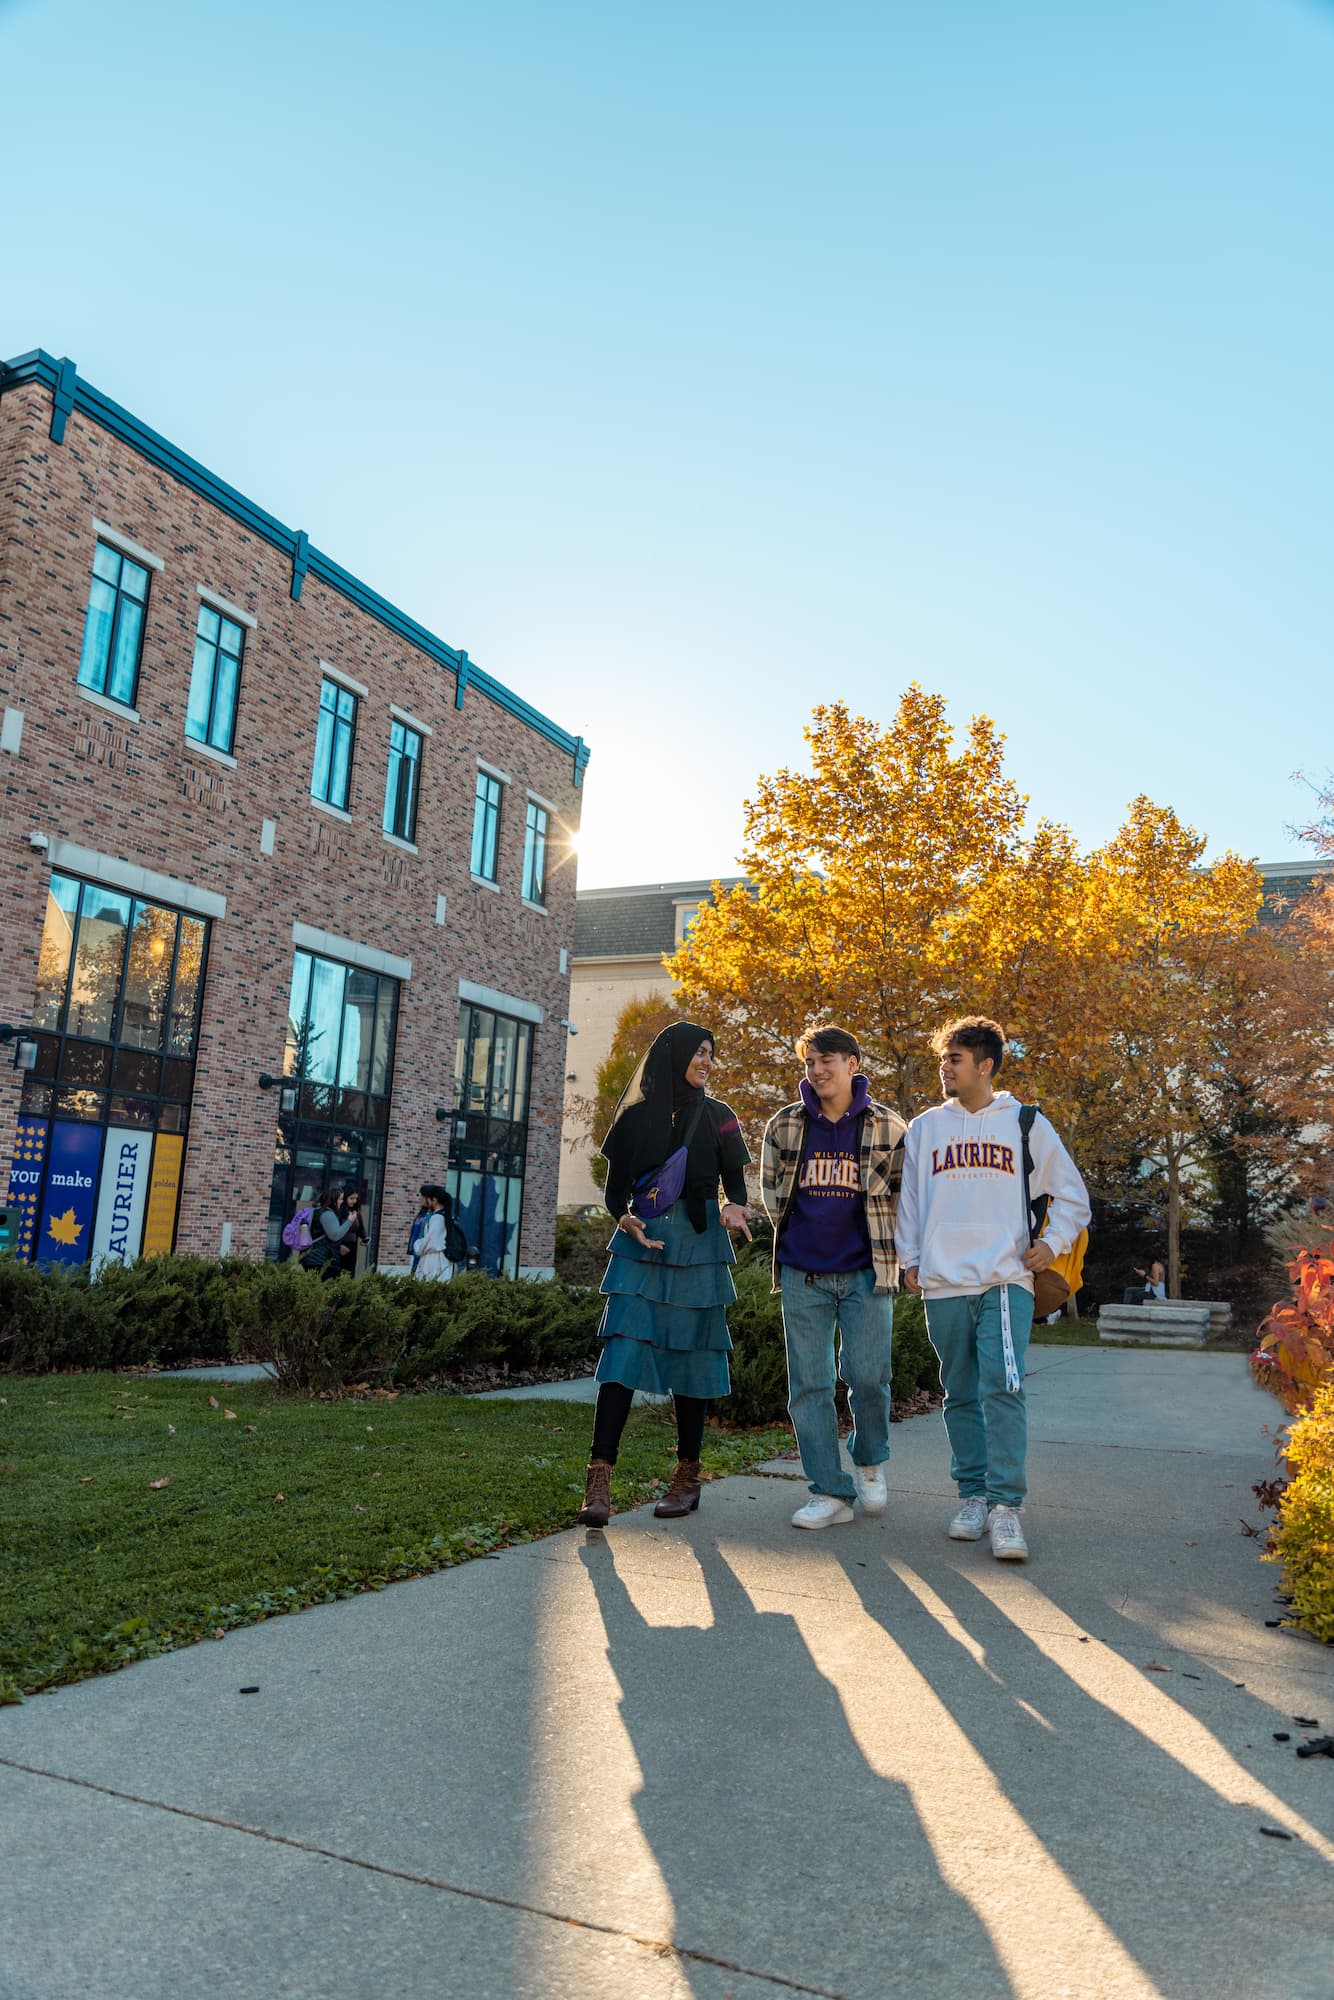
[963,1241]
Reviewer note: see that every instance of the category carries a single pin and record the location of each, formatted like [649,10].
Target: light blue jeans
[812,1310]
[986,1422]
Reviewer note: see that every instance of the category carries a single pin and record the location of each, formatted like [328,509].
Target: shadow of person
[1138,1808]
[782,1849]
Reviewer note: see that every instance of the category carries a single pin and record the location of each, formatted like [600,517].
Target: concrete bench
[1162,1322]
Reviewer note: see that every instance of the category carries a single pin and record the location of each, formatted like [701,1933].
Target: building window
[113,633]
[104,1114]
[331,780]
[215,680]
[487,1154]
[341,1024]
[400,791]
[486,826]
[535,855]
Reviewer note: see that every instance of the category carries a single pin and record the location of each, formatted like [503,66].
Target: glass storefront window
[490,1134]
[98,963]
[340,1054]
[116,977]
[62,906]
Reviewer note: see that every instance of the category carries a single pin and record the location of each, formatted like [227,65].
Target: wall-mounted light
[286,1091]
[441,1115]
[25,1046]
[570,1025]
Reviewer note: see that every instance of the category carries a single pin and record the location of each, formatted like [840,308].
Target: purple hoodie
[826,1224]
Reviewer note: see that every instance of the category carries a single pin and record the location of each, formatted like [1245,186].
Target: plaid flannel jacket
[881,1161]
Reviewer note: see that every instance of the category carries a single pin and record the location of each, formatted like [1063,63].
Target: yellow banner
[163,1188]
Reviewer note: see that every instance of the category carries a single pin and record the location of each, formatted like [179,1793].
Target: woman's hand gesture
[733,1216]
[632,1226]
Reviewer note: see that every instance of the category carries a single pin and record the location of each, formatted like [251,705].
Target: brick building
[288,885]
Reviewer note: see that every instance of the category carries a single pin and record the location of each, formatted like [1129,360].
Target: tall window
[535,855]
[488,1152]
[215,678]
[113,633]
[340,1060]
[106,1108]
[331,780]
[400,791]
[486,826]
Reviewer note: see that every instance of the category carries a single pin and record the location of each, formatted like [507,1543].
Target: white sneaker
[869,1481]
[822,1511]
[1007,1537]
[970,1523]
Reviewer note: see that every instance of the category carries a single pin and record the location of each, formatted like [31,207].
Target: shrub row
[167,1310]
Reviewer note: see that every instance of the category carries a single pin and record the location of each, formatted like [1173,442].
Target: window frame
[121,557]
[339,691]
[486,815]
[536,845]
[400,759]
[206,741]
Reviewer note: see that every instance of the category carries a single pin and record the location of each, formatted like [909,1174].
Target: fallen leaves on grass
[156,1485]
[213,1402]
[230,1416]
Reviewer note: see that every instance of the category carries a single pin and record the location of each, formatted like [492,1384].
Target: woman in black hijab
[669,1281]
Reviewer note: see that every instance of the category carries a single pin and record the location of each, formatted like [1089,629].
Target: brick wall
[138,792]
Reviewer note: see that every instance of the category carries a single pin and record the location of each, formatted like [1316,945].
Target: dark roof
[1286,882]
[635,923]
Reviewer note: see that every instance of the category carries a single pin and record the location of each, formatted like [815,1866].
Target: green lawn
[1067,1333]
[280,1504]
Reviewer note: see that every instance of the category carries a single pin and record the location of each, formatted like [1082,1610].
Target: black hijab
[655,1108]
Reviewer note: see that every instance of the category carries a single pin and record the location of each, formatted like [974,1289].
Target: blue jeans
[812,1310]
[986,1422]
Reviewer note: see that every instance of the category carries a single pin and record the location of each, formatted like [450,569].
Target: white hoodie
[961,1216]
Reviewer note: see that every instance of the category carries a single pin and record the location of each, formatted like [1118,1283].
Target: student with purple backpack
[669,1281]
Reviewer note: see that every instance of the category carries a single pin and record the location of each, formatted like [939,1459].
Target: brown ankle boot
[682,1496]
[596,1510]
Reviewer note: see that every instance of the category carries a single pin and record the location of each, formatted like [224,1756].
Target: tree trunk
[1173,1223]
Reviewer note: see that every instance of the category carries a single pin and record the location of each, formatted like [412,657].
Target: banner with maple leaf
[69,1192]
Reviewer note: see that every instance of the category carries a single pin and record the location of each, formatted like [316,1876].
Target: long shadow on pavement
[1133,1797]
[777,1841]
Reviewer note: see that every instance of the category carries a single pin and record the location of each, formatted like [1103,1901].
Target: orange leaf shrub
[1295,1357]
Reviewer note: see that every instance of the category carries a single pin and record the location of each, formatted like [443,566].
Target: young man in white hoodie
[963,1241]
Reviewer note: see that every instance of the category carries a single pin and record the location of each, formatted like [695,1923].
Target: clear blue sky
[690,364]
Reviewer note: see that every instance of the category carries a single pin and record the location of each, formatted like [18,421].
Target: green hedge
[164,1311]
[168,1310]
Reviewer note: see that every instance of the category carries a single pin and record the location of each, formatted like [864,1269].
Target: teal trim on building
[69,392]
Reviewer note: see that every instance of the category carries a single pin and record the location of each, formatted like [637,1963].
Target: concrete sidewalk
[720,1758]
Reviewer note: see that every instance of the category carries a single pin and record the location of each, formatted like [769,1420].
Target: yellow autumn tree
[860,874]
[1156,1014]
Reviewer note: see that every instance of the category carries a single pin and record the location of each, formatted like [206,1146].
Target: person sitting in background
[1154,1285]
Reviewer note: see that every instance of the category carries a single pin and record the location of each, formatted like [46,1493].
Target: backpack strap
[1035,1212]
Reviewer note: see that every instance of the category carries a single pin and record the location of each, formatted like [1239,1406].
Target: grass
[1067,1333]
[280,1504]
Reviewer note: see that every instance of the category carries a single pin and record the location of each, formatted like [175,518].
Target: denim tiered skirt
[664,1326]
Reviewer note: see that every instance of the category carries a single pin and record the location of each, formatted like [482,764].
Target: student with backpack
[327,1230]
[829,1178]
[440,1244]
[976,1167]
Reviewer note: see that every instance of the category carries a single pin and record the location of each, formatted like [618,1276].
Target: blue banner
[67,1193]
[25,1184]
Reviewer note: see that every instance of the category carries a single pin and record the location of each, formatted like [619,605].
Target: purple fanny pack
[658,1190]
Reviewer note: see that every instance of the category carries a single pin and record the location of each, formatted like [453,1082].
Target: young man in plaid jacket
[830,1173]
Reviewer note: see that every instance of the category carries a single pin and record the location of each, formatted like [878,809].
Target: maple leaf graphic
[65,1228]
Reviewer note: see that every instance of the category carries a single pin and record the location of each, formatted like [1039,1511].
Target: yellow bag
[1064,1276]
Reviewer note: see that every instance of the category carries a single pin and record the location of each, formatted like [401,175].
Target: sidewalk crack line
[661,1947]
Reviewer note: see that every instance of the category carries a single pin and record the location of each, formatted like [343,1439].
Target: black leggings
[613,1407]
